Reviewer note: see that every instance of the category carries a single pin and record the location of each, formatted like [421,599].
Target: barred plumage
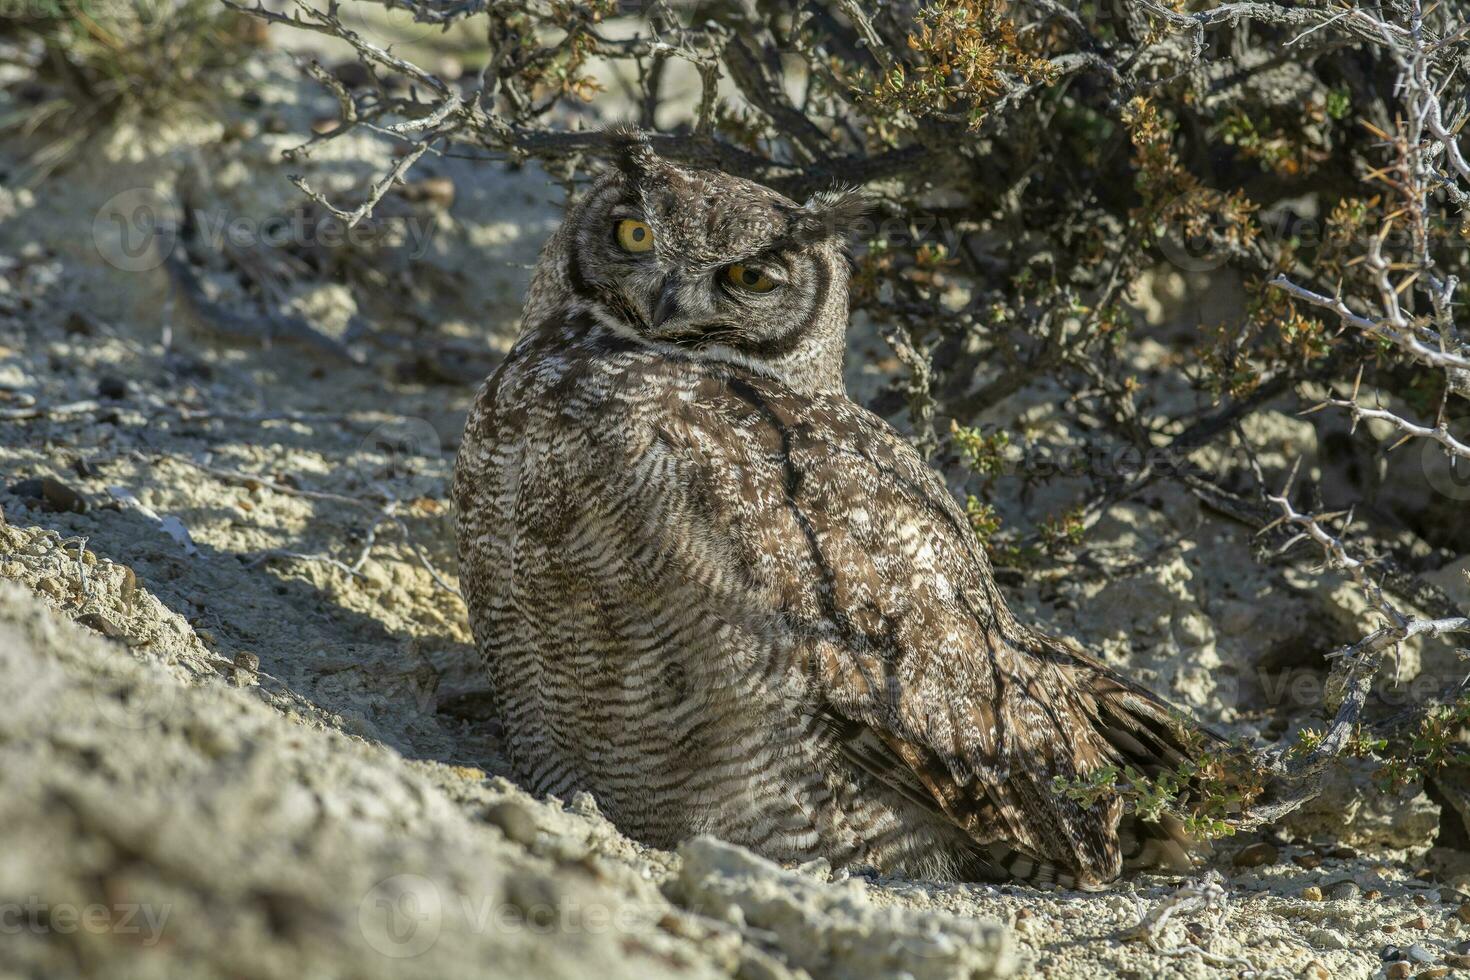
[724,598]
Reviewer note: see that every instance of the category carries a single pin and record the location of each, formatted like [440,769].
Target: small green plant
[983,453]
[1208,794]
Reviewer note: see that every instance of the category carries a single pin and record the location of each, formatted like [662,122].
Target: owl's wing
[819,527]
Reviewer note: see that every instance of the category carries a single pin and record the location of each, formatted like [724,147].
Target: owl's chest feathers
[632,529]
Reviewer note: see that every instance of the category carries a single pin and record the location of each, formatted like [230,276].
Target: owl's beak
[667,306]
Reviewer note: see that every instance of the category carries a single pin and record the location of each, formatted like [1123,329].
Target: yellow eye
[634,235]
[751,280]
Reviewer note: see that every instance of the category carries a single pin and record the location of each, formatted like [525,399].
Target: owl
[723,598]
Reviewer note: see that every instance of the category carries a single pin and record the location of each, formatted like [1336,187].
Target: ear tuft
[831,214]
[632,151]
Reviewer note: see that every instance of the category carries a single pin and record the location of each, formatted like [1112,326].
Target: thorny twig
[1358,664]
[1432,341]
[1207,894]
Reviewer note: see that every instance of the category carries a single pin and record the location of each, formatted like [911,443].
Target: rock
[1309,861]
[80,324]
[51,495]
[196,796]
[99,623]
[1419,954]
[1327,939]
[1256,855]
[1453,783]
[1352,810]
[1398,971]
[111,387]
[836,931]
[1344,891]
[1463,913]
[1312,893]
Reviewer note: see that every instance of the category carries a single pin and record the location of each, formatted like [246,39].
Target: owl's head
[706,265]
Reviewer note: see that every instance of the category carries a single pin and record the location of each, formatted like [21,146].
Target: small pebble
[1343,853]
[1315,971]
[1308,861]
[438,191]
[1433,973]
[1312,893]
[111,387]
[1256,855]
[79,324]
[99,623]
[1398,971]
[1459,961]
[1372,895]
[53,496]
[450,69]
[1344,891]
[352,74]
[1463,913]
[1419,954]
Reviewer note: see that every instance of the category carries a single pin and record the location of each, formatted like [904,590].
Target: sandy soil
[242,696]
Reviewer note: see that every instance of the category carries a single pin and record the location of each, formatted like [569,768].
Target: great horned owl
[724,598]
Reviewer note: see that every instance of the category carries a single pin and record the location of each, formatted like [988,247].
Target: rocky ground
[243,734]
